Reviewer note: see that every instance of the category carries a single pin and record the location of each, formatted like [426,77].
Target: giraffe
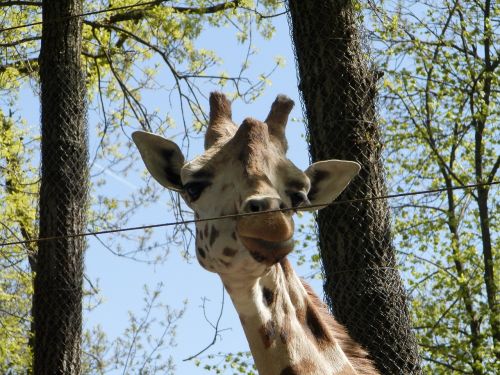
[245,170]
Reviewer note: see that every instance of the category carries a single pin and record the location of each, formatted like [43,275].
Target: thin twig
[216,331]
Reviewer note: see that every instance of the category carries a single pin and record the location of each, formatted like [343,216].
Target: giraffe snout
[267,236]
[263,204]
[273,226]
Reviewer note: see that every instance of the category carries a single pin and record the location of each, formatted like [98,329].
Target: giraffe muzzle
[268,237]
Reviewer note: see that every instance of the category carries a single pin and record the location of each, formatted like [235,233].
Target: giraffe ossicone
[245,170]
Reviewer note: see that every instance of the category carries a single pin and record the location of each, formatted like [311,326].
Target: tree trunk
[57,301]
[362,285]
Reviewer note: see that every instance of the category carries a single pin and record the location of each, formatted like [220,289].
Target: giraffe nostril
[257,205]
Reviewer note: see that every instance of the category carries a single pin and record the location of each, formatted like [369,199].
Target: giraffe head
[243,170]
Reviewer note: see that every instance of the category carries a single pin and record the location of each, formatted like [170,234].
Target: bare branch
[264,16]
[448,366]
[438,266]
[17,316]
[494,170]
[129,97]
[138,14]
[140,327]
[23,66]
[20,41]
[216,330]
[103,108]
[21,3]
[422,206]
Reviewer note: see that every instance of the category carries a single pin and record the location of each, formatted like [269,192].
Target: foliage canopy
[440,95]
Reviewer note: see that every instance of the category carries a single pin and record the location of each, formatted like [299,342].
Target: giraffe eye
[299,198]
[194,189]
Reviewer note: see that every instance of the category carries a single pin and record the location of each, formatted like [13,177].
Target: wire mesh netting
[362,283]
[58,293]
[58,282]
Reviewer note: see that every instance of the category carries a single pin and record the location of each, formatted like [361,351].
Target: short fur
[358,357]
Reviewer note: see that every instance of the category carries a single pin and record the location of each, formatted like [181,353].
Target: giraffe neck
[283,326]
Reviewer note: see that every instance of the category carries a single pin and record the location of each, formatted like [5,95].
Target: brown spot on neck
[301,315]
[318,328]
[285,330]
[357,356]
[214,233]
[267,333]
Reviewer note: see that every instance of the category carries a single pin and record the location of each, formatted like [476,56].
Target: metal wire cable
[231,216]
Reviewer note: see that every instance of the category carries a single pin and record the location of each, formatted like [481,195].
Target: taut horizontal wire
[335,203]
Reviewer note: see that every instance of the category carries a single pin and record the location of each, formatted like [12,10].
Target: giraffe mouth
[267,237]
[272,227]
[268,252]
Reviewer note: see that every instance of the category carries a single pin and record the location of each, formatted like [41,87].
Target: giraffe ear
[163,158]
[328,179]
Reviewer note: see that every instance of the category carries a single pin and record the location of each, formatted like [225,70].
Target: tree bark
[362,285]
[57,301]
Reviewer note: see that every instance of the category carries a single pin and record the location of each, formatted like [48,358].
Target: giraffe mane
[357,356]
